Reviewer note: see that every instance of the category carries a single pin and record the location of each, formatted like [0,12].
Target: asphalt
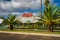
[25,36]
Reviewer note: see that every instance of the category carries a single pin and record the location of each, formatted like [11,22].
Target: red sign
[27,14]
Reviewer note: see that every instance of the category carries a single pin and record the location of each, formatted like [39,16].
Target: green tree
[50,16]
[47,2]
[11,20]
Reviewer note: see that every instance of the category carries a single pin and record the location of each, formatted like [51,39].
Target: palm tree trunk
[50,28]
[11,27]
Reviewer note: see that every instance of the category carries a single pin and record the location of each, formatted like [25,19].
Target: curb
[37,34]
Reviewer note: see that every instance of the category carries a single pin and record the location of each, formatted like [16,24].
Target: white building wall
[31,19]
[25,19]
[1,20]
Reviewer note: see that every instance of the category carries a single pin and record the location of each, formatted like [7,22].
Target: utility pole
[41,7]
[41,10]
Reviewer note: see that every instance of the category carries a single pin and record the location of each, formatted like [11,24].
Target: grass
[32,31]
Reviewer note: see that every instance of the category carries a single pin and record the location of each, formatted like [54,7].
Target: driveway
[9,36]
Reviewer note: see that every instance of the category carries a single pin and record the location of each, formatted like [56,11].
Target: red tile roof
[27,14]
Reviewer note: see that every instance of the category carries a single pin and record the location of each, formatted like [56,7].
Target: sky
[57,2]
[18,7]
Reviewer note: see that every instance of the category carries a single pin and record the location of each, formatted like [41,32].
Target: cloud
[13,5]
[6,5]
[33,4]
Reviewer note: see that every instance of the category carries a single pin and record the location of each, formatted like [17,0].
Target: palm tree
[50,16]
[11,20]
[47,2]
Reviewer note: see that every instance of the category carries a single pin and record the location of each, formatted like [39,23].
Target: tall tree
[50,16]
[11,20]
[47,2]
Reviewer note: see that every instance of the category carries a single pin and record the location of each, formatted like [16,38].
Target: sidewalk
[41,34]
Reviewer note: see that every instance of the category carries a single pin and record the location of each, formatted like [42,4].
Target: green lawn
[32,31]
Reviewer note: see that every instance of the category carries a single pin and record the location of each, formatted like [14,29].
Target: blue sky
[20,6]
[57,2]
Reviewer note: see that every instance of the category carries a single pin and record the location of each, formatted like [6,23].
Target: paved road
[7,36]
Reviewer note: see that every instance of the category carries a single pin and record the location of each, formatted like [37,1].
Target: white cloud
[6,6]
[33,4]
[25,3]
[16,4]
[20,4]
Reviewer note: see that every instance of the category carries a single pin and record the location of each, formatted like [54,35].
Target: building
[28,17]
[1,20]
